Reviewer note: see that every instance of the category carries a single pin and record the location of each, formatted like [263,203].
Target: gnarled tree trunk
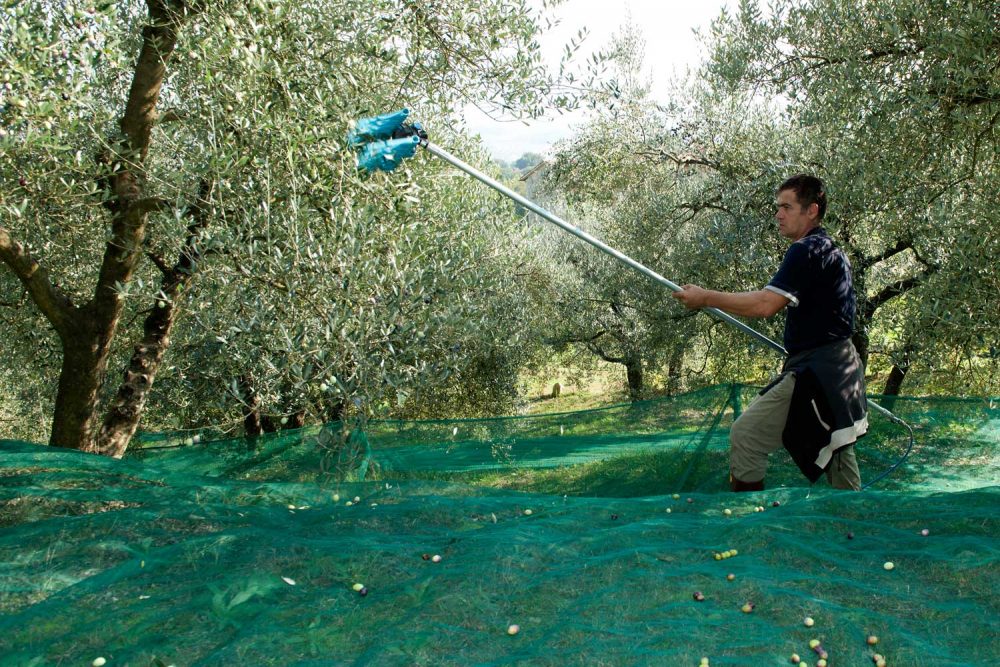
[87,331]
[896,377]
[895,380]
[84,362]
[634,376]
[674,367]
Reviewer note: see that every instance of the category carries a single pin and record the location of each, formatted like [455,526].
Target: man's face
[794,220]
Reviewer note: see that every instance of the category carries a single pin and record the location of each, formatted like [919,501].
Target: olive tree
[610,180]
[658,200]
[178,169]
[895,103]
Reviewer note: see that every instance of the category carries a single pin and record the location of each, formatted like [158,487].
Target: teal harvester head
[386,140]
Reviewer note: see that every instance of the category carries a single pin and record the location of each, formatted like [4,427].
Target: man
[817,407]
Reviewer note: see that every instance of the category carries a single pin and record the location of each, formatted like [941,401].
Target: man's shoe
[739,485]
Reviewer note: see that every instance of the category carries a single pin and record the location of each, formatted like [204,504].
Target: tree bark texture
[123,416]
[634,376]
[674,367]
[868,305]
[252,426]
[895,380]
[87,332]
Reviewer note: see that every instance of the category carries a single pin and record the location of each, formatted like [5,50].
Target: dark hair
[808,190]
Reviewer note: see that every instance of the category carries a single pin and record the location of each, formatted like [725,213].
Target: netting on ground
[567,525]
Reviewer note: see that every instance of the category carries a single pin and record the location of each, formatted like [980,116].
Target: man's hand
[692,296]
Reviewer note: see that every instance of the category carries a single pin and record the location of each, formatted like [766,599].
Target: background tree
[607,187]
[527,161]
[896,103]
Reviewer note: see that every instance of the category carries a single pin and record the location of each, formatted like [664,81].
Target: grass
[596,389]
[645,474]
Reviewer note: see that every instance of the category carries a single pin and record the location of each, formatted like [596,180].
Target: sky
[668,29]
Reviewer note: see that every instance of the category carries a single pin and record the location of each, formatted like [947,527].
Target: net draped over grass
[567,525]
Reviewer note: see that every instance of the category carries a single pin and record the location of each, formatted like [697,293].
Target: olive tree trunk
[87,331]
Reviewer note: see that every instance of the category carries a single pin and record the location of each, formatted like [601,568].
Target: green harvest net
[246,552]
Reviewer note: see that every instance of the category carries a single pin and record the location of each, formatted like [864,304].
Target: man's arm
[759,303]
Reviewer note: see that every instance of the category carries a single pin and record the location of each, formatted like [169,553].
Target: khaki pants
[757,433]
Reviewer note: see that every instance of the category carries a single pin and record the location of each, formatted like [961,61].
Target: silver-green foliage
[315,286]
[895,103]
[635,180]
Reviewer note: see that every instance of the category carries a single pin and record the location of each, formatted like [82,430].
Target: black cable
[898,463]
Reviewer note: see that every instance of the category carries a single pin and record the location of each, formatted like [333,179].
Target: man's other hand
[692,296]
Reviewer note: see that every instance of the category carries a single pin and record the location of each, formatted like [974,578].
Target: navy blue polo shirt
[815,277]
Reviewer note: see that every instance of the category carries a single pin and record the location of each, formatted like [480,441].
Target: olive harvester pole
[392,140]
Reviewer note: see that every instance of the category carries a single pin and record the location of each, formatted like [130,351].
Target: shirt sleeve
[793,274]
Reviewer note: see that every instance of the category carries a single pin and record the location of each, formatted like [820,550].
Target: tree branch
[150,205]
[161,263]
[579,339]
[128,228]
[662,155]
[696,207]
[891,291]
[170,116]
[599,351]
[901,245]
[871,55]
[159,38]
[126,408]
[53,302]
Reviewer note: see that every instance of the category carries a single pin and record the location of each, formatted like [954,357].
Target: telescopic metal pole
[584,236]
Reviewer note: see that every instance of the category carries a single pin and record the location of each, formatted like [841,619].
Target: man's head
[801,203]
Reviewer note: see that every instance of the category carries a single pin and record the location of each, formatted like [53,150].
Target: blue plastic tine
[387,155]
[377,127]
